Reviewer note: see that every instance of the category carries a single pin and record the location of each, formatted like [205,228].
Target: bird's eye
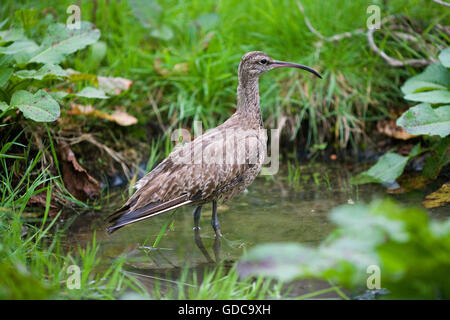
[263,61]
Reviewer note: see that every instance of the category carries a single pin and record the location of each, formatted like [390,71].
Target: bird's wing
[192,172]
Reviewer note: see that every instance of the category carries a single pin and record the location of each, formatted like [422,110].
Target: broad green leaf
[434,96]
[421,86]
[3,105]
[435,76]
[5,74]
[39,107]
[19,46]
[91,92]
[423,119]
[444,57]
[388,168]
[11,35]
[62,41]
[46,71]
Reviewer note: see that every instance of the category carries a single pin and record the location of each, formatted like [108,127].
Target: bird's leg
[197,213]
[214,220]
[216,247]
[201,246]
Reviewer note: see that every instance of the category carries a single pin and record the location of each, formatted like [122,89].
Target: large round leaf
[435,76]
[38,107]
[423,119]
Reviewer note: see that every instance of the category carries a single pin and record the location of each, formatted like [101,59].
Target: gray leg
[216,247]
[200,245]
[214,220]
[197,213]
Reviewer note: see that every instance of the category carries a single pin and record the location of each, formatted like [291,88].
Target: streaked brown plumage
[218,165]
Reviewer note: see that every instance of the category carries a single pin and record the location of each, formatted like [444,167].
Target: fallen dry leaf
[114,86]
[40,200]
[179,68]
[390,129]
[76,179]
[157,64]
[438,198]
[123,118]
[120,117]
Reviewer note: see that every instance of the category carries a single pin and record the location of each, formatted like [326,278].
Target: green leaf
[58,95]
[163,33]
[434,96]
[3,105]
[283,261]
[148,12]
[438,158]
[2,24]
[444,57]
[91,92]
[39,107]
[62,41]
[409,250]
[6,60]
[19,46]
[5,74]
[11,35]
[46,71]
[423,119]
[388,168]
[435,76]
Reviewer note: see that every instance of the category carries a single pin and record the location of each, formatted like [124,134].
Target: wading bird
[217,165]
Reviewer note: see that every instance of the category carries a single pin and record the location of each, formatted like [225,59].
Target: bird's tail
[129,214]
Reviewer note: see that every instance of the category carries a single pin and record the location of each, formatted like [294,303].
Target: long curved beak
[281,64]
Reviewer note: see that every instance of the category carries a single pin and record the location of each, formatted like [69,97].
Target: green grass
[33,261]
[358,86]
[222,283]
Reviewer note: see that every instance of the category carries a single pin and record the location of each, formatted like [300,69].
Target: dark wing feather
[124,216]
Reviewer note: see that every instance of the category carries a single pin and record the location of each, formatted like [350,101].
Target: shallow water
[272,210]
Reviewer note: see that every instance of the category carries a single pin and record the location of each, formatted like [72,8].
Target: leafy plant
[410,250]
[32,80]
[429,118]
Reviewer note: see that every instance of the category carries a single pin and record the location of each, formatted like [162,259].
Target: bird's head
[255,63]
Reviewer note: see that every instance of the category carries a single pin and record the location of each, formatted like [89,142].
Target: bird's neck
[248,99]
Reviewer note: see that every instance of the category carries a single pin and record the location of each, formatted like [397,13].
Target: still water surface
[273,209]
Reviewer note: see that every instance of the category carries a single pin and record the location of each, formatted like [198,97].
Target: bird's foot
[218,233]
